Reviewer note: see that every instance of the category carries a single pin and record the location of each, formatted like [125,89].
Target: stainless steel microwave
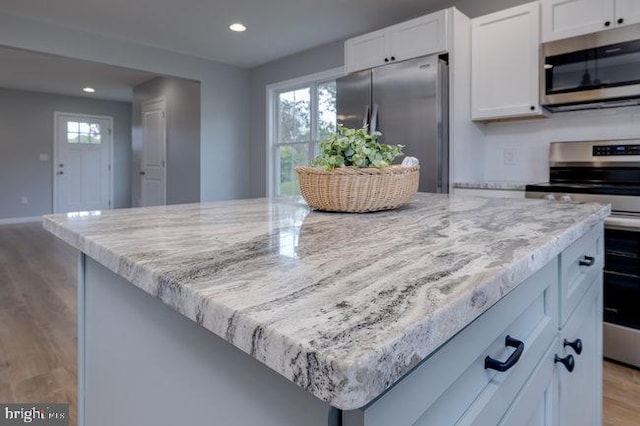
[596,70]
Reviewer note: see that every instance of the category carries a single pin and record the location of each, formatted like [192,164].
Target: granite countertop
[343,305]
[503,186]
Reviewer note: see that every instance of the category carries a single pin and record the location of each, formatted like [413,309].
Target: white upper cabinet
[569,18]
[411,39]
[505,64]
[627,12]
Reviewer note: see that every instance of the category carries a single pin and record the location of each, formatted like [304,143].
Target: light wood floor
[37,317]
[38,328]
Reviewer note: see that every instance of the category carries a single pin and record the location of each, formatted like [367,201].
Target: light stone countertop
[503,186]
[343,305]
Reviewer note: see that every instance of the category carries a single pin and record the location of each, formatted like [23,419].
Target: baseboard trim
[16,220]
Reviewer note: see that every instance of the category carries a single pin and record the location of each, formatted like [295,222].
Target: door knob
[576,345]
[568,362]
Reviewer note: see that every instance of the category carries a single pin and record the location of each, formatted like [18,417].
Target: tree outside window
[305,116]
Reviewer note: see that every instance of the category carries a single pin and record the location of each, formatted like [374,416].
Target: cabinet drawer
[579,266]
[453,386]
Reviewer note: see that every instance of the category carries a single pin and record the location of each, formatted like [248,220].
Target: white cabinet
[569,18]
[505,64]
[411,39]
[580,388]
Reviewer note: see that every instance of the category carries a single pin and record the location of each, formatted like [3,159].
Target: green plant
[355,148]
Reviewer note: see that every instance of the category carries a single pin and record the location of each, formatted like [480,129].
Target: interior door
[153,171]
[82,163]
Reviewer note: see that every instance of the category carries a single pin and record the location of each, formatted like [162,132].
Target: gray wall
[305,63]
[224,145]
[26,131]
[182,99]
[320,59]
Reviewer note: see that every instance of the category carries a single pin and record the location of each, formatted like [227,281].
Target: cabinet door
[419,37]
[537,402]
[366,51]
[627,12]
[505,63]
[581,390]
[569,18]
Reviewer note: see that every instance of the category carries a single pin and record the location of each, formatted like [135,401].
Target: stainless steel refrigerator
[409,103]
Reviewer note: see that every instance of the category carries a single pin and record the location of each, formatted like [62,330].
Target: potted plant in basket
[353,173]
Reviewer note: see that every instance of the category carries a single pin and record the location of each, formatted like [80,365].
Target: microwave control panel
[606,150]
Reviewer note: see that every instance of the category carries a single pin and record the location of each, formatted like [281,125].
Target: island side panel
[144,364]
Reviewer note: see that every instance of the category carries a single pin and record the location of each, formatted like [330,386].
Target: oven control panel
[606,150]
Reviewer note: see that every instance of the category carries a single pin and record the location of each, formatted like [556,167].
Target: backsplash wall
[529,140]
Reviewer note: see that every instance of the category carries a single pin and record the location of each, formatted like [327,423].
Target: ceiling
[276,28]
[39,72]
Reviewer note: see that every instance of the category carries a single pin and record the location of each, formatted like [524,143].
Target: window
[83,132]
[302,115]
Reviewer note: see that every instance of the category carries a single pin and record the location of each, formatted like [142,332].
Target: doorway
[153,172]
[82,162]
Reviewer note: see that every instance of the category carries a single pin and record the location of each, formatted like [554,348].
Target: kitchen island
[263,312]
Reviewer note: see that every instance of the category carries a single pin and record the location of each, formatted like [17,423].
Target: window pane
[72,126]
[72,137]
[326,109]
[84,138]
[290,156]
[84,127]
[294,113]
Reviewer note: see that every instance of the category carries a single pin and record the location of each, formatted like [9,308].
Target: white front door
[153,170]
[82,167]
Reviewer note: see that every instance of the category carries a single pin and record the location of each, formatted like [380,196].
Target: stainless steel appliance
[607,172]
[408,102]
[598,70]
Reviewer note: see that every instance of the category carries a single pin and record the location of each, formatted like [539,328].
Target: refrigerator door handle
[374,119]
[365,120]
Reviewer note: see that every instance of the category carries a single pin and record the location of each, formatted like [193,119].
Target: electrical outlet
[44,157]
[509,157]
[24,200]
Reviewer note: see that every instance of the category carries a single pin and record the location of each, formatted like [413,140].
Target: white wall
[530,140]
[26,131]
[225,93]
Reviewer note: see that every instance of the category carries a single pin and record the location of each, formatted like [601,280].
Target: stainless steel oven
[607,172]
[596,70]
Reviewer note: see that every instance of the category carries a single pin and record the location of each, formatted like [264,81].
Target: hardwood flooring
[37,317]
[38,328]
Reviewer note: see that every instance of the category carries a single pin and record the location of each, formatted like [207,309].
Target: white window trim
[271,97]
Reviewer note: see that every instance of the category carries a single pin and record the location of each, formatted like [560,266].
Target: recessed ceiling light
[237,27]
[89,90]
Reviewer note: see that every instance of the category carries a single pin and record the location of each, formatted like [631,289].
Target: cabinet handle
[386,59]
[532,108]
[620,21]
[393,58]
[576,345]
[607,23]
[587,261]
[494,364]
[568,362]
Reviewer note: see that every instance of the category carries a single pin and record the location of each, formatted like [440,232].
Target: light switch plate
[44,157]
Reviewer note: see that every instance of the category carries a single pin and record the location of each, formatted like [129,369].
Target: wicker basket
[351,189]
